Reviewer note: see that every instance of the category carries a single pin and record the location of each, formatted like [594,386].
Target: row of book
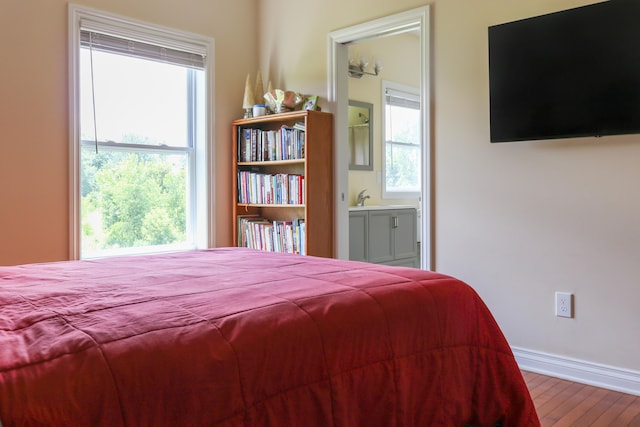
[277,189]
[257,145]
[273,236]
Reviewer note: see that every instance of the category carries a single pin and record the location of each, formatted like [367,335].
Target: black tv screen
[567,74]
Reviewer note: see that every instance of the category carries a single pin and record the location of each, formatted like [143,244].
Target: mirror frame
[369,165]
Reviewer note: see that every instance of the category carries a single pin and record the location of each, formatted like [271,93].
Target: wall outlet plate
[564,304]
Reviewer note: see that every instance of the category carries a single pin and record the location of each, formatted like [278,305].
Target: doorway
[415,20]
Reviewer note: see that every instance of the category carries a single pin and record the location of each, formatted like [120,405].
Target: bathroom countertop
[379,207]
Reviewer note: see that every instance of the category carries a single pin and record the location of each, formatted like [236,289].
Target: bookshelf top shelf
[272,162]
[270,205]
[278,117]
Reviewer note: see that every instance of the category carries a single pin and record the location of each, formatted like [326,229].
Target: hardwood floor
[562,403]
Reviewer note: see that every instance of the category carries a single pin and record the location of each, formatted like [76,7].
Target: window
[402,148]
[139,140]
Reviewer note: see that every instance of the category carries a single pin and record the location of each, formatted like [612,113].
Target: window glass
[132,200]
[402,166]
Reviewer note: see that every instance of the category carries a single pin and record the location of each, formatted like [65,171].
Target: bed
[238,337]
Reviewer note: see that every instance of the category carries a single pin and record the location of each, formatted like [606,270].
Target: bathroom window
[140,139]
[401,165]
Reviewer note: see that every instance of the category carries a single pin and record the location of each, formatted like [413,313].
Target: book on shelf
[277,189]
[274,236]
[241,236]
[259,145]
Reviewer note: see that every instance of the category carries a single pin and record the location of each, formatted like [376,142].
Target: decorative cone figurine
[248,100]
[259,91]
[269,87]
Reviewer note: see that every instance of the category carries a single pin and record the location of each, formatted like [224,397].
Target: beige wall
[34,141]
[517,221]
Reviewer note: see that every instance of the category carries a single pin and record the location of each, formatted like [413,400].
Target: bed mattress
[238,337]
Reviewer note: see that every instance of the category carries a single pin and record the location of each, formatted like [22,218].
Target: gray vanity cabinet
[390,236]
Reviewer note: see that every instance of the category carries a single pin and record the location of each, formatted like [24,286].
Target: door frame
[417,19]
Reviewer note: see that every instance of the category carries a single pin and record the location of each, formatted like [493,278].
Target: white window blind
[399,98]
[127,46]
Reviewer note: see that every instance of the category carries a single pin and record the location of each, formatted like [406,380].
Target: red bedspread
[235,337]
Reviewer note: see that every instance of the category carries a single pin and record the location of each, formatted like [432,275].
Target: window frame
[202,215]
[414,93]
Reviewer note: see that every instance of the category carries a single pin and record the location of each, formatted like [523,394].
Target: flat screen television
[573,73]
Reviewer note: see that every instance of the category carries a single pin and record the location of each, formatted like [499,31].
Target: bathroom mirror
[360,135]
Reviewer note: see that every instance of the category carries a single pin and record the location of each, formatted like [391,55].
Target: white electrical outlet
[564,304]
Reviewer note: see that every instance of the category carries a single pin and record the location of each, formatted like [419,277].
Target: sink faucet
[362,198]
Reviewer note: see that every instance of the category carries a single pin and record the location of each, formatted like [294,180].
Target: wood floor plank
[589,411]
[574,416]
[553,397]
[533,380]
[552,410]
[547,390]
[571,409]
[613,412]
[629,417]
[562,403]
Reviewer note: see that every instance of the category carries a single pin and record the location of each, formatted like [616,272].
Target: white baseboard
[609,377]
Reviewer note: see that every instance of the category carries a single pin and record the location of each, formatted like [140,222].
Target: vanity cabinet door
[405,234]
[359,236]
[381,236]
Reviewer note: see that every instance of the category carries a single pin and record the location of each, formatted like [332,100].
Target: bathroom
[382,70]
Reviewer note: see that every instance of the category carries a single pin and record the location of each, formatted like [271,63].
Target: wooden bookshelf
[307,164]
